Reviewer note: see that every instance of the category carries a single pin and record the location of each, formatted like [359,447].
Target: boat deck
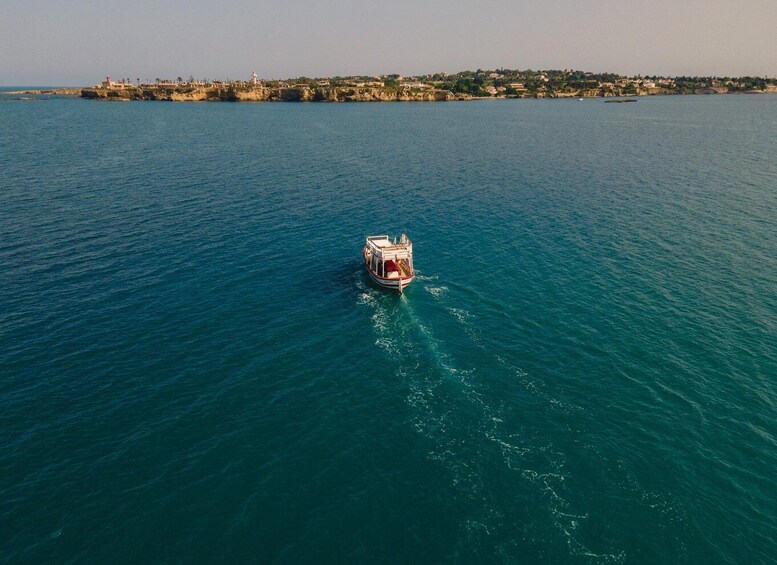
[382,242]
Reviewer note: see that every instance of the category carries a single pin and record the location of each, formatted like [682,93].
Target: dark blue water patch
[194,367]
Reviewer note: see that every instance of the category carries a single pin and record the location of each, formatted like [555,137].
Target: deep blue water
[194,368]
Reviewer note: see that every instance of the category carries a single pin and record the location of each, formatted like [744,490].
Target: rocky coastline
[268,94]
[328,94]
[438,87]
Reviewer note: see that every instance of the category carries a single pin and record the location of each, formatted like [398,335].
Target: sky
[78,42]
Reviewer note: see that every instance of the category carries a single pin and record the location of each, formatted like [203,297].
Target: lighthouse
[254,78]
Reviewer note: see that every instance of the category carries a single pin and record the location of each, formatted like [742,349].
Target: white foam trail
[436,291]
[435,418]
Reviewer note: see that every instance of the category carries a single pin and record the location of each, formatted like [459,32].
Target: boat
[389,262]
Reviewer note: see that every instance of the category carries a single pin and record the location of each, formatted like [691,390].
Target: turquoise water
[194,367]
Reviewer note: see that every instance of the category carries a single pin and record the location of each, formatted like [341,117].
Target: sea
[195,367]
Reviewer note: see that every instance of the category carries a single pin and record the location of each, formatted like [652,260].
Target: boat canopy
[385,249]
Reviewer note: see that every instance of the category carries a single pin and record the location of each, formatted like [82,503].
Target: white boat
[389,262]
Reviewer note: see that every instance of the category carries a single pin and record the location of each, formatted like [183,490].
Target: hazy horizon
[48,43]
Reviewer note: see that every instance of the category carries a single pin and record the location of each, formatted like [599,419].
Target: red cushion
[390,266]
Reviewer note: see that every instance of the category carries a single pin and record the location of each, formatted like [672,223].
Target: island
[438,87]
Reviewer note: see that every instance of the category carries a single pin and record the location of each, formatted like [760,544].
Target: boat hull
[390,284]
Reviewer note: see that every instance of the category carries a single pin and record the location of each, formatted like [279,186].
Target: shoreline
[64,91]
[333,94]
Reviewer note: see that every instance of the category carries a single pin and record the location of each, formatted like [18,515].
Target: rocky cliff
[265,94]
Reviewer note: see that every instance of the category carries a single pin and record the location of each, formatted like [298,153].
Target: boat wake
[467,429]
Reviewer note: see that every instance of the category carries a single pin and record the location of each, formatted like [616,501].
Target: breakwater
[39,91]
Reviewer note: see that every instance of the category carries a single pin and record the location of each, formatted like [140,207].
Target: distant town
[465,85]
